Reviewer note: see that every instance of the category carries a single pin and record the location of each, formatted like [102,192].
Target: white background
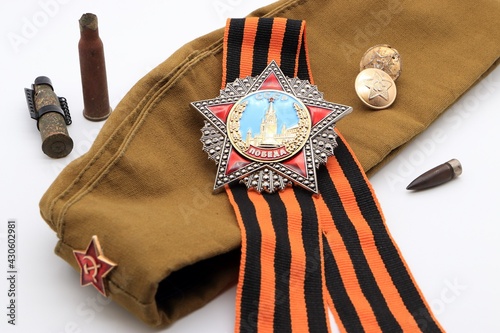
[449,235]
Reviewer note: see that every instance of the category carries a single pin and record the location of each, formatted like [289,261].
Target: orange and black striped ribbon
[302,254]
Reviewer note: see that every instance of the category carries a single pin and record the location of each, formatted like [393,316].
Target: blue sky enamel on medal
[269,132]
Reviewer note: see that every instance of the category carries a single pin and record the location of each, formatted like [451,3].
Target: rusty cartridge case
[56,142]
[93,70]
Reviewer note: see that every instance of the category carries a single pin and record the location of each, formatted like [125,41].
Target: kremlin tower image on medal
[269,126]
[268,136]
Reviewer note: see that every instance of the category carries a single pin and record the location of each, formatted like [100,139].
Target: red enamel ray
[271,83]
[297,164]
[318,113]
[221,111]
[235,162]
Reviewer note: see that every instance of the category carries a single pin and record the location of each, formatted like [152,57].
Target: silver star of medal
[269,131]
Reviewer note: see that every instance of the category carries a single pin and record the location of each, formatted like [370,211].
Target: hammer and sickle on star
[95,267]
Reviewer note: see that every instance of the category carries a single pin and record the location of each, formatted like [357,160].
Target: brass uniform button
[375,88]
[383,57]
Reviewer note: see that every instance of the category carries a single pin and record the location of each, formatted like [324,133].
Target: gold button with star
[383,57]
[375,88]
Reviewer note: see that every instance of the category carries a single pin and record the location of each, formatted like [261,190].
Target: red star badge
[93,266]
[269,131]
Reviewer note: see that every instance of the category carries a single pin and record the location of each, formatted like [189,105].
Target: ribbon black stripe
[282,262]
[250,295]
[234,43]
[303,71]
[261,45]
[366,280]
[390,255]
[313,284]
[290,47]
[343,305]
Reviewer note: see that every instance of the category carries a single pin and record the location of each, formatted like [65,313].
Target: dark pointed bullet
[436,176]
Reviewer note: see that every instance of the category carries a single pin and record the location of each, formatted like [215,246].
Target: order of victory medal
[269,131]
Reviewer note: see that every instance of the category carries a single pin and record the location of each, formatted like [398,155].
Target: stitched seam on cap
[133,115]
[56,221]
[140,112]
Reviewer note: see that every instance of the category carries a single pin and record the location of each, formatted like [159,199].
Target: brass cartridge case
[93,70]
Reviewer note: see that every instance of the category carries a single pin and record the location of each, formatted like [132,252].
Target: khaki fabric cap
[144,188]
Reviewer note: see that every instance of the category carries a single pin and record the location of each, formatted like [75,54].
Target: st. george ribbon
[321,243]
